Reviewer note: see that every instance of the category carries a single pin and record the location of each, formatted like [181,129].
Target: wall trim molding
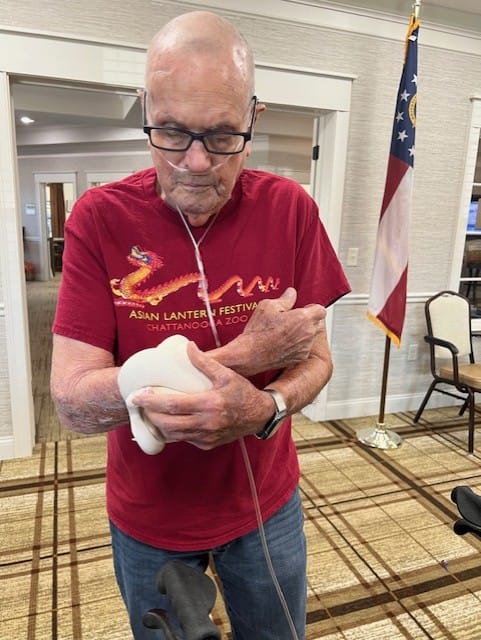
[53,35]
[343,410]
[337,17]
[363,298]
[80,154]
[341,17]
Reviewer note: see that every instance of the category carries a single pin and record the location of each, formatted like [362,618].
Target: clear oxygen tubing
[255,498]
[204,285]
[184,170]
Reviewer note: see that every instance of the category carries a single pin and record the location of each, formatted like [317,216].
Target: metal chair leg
[425,401]
[464,406]
[471,422]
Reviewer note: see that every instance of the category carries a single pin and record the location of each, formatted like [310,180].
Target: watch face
[271,429]
[276,424]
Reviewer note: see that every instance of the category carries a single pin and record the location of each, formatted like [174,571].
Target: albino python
[165,369]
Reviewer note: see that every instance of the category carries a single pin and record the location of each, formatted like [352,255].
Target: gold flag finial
[416,8]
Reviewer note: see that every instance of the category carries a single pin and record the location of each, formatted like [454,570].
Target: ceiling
[57,104]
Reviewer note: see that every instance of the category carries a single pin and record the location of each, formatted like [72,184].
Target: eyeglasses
[224,143]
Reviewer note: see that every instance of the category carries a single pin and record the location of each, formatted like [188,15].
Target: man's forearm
[274,339]
[84,387]
[87,397]
[94,405]
[301,383]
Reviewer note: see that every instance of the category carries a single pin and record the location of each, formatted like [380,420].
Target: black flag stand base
[379,437]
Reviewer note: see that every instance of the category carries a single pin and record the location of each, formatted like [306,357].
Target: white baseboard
[7,448]
[358,408]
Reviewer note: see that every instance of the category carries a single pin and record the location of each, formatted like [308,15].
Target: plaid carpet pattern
[383,561]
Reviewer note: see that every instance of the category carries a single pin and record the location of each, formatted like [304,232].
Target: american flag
[387,300]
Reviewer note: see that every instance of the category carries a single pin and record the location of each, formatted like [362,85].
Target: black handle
[463,526]
[157,619]
[192,595]
[469,504]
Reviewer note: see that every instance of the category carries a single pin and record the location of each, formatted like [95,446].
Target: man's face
[200,98]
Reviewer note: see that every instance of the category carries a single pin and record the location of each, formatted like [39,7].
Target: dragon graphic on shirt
[132,290]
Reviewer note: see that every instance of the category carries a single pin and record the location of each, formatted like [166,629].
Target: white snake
[164,369]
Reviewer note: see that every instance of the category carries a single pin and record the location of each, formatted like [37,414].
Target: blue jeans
[250,597]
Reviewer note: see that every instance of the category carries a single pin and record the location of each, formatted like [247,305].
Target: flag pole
[380,437]
[387,301]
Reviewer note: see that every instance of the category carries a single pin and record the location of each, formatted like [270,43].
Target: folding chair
[451,350]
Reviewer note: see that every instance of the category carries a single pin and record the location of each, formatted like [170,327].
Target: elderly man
[237,261]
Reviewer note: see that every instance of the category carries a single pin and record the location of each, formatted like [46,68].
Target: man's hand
[86,393]
[276,336]
[231,409]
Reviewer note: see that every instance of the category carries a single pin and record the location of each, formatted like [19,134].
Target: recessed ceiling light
[26,120]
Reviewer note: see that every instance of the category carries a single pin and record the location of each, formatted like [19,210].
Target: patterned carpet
[384,562]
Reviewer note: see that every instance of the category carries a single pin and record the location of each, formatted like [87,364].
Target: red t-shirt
[130,279]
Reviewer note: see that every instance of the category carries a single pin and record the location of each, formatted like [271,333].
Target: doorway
[55,196]
[282,144]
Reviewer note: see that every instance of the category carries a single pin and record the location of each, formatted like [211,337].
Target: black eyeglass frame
[246,135]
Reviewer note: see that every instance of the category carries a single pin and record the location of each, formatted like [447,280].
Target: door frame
[16,400]
[64,59]
[473,144]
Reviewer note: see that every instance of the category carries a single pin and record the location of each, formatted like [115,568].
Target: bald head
[200,37]
[199,80]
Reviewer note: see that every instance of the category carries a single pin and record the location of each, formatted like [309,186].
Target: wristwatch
[274,423]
